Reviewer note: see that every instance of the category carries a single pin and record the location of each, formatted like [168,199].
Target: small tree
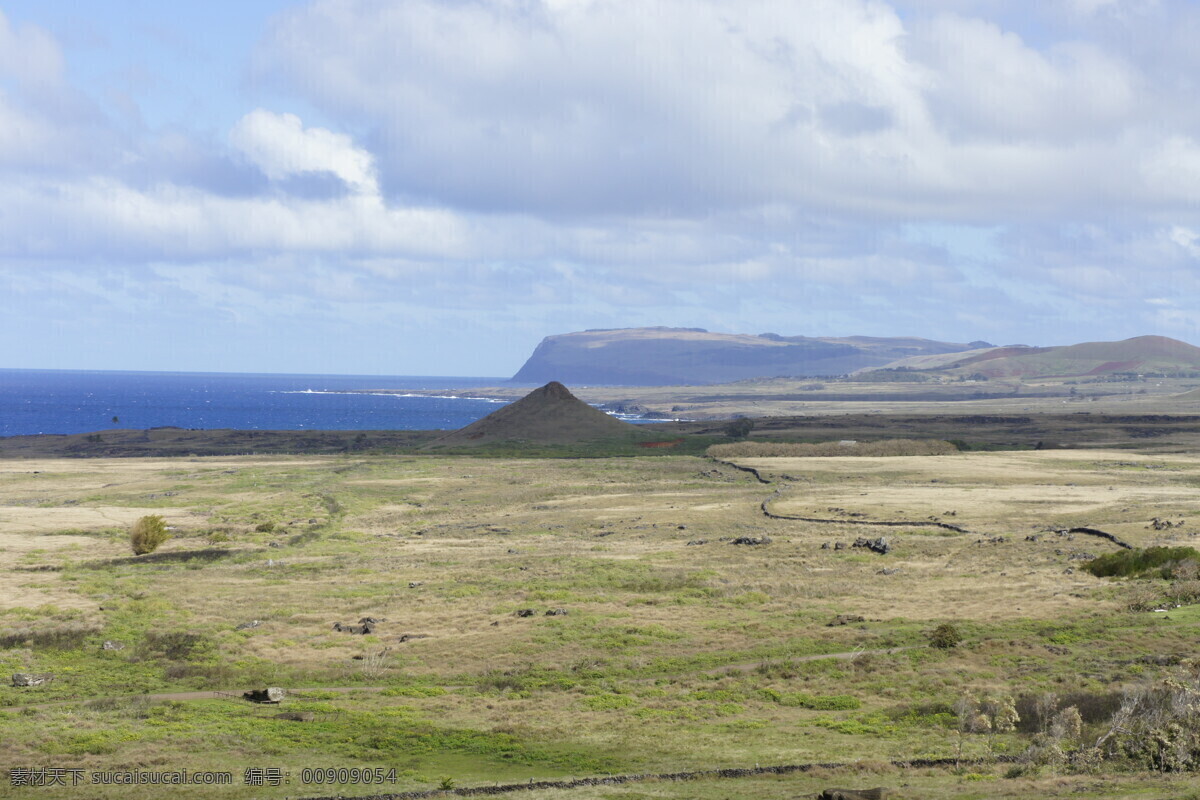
[147,534]
[739,428]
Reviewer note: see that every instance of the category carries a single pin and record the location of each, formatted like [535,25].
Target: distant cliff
[666,356]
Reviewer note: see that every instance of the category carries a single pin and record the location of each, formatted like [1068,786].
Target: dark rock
[826,546]
[854,794]
[695,542]
[839,545]
[556,612]
[844,619]
[752,540]
[879,545]
[415,584]
[888,571]
[524,612]
[296,716]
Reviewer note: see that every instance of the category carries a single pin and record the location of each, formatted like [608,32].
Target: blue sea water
[74,401]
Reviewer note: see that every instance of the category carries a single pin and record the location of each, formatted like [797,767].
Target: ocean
[77,401]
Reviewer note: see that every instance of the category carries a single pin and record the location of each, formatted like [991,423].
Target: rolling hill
[1141,354]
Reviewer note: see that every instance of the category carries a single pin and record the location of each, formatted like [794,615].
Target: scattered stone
[993,540]
[415,584]
[358,630]
[887,571]
[372,620]
[839,545]
[272,694]
[682,528]
[844,619]
[1068,571]
[496,624]
[274,544]
[556,612]
[524,612]
[1081,556]
[879,545]
[696,542]
[32,678]
[513,551]
[826,546]
[1033,537]
[111,645]
[752,540]
[1058,650]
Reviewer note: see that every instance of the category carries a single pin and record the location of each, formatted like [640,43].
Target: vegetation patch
[1157,562]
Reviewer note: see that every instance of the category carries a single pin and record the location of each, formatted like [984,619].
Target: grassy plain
[679,650]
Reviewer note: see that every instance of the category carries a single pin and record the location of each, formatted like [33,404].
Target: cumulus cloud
[612,162]
[282,147]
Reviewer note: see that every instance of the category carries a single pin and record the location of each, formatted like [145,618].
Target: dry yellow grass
[616,542]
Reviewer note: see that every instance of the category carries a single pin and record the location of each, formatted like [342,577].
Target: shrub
[147,534]
[177,645]
[264,527]
[945,636]
[1159,562]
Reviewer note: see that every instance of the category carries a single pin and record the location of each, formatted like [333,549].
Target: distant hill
[1141,354]
[549,415]
[672,356]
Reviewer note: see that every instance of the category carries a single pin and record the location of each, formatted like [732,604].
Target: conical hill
[549,415]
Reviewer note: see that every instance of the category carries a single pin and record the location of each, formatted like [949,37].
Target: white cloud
[281,147]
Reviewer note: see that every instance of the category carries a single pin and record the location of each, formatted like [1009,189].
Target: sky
[430,187]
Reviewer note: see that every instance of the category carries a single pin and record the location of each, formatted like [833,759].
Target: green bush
[1157,562]
[945,636]
[147,534]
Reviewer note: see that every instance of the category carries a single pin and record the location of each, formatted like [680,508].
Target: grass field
[678,650]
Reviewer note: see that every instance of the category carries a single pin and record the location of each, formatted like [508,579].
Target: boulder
[844,619]
[752,540]
[524,612]
[272,694]
[31,678]
[556,612]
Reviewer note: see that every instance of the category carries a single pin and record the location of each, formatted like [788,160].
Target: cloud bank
[537,166]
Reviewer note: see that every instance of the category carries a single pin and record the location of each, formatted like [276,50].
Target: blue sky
[432,186]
